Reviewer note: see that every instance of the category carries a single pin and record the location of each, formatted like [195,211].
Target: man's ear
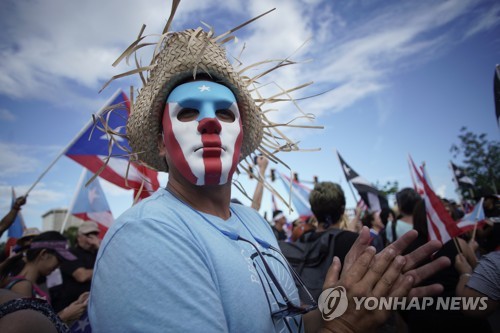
[161,145]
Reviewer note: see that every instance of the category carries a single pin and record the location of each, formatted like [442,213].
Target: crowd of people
[41,273]
[387,225]
[42,267]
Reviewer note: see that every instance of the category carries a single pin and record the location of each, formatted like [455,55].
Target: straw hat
[184,55]
[178,58]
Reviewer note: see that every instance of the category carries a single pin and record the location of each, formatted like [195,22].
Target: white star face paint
[202,132]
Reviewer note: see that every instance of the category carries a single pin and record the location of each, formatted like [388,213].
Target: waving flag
[475,217]
[373,198]
[440,225]
[90,204]
[299,194]
[462,181]
[17,227]
[91,149]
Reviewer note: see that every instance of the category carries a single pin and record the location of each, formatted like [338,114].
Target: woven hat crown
[182,56]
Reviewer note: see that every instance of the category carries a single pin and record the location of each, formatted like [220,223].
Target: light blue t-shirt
[164,267]
[401,228]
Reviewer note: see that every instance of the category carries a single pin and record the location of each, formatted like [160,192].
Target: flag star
[82,325]
[118,138]
[93,195]
[347,170]
[204,88]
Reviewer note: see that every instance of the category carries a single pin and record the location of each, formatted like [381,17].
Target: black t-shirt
[63,295]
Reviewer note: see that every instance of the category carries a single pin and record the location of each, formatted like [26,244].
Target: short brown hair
[327,202]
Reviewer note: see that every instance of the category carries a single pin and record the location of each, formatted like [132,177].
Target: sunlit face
[202,132]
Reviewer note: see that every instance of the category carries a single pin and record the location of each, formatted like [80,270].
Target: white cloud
[441,191]
[15,161]
[50,43]
[6,115]
[487,20]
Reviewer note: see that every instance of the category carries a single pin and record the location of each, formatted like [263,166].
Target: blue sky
[403,77]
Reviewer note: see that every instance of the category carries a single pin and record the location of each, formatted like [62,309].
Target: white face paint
[202,132]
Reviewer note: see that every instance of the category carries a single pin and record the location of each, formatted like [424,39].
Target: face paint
[202,132]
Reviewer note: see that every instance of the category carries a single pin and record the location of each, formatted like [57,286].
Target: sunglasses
[286,308]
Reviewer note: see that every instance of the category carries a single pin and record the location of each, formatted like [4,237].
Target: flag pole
[73,201]
[456,184]
[72,142]
[459,249]
[477,218]
[348,182]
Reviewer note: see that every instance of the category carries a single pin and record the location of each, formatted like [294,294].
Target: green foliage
[71,233]
[481,161]
[388,188]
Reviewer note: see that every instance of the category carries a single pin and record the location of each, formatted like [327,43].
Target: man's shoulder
[347,236]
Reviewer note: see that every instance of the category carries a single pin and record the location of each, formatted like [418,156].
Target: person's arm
[75,310]
[386,274]
[467,252]
[8,219]
[353,224]
[82,274]
[262,163]
[23,320]
[465,270]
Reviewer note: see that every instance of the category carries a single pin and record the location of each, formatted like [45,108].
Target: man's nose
[209,126]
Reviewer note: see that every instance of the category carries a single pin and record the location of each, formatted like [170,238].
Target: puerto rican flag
[17,227]
[90,203]
[91,148]
[299,194]
[474,219]
[440,225]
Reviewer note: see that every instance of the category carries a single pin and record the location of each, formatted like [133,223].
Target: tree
[71,233]
[481,161]
[389,188]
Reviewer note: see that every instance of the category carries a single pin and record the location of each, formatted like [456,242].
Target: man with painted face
[202,132]
[186,259]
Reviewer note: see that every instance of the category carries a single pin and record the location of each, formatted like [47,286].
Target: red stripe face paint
[203,132]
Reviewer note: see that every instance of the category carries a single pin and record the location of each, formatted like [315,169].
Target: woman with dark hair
[44,255]
[386,215]
[433,318]
[407,198]
[373,221]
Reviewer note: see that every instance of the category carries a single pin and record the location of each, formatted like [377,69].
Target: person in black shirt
[77,275]
[279,220]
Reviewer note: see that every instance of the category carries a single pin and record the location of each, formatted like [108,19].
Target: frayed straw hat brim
[184,55]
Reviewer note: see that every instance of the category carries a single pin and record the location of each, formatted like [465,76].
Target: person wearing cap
[279,220]
[24,242]
[47,251]
[185,258]
[76,275]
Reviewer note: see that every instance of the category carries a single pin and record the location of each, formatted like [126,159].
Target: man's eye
[187,115]
[225,115]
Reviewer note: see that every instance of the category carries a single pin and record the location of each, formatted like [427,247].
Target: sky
[392,78]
